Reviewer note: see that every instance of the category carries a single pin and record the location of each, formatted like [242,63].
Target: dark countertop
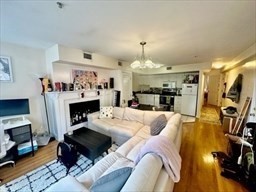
[145,92]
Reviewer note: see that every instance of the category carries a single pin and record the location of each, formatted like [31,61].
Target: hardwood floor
[28,163]
[200,172]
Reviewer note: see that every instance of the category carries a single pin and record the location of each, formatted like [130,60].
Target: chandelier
[142,62]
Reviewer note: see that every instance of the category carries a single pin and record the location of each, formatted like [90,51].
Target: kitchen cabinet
[148,99]
[157,100]
[177,104]
[142,98]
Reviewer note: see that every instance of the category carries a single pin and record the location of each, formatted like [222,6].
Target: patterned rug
[43,177]
[209,114]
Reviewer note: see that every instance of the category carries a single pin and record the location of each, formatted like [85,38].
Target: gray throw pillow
[158,124]
[114,181]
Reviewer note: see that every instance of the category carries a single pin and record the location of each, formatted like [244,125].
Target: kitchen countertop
[145,92]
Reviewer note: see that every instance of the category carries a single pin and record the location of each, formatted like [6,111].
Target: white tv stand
[19,129]
[14,121]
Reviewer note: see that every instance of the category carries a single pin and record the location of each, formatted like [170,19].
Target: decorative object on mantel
[103,84]
[57,86]
[5,69]
[143,62]
[84,79]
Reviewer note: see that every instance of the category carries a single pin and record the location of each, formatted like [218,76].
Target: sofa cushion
[106,112]
[106,178]
[66,184]
[118,112]
[106,123]
[149,116]
[133,115]
[119,163]
[144,132]
[129,145]
[158,125]
[131,148]
[134,125]
[125,129]
[90,176]
[113,181]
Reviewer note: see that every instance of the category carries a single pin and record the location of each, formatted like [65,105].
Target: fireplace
[78,111]
[67,110]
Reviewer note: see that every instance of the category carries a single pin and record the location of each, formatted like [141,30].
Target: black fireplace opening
[79,111]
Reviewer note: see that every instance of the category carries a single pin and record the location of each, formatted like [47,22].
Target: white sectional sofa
[125,123]
[130,129]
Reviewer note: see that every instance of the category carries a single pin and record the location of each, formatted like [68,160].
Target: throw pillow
[106,112]
[114,181]
[158,124]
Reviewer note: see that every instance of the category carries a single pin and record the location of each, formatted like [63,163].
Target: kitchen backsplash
[144,82]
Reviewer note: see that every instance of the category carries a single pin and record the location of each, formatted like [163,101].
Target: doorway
[213,89]
[127,88]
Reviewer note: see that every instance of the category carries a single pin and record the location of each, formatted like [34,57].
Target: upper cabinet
[158,80]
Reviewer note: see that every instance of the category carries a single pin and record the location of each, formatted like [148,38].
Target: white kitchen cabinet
[148,99]
[177,104]
[157,100]
[142,98]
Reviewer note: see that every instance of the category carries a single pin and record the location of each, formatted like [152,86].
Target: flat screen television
[14,107]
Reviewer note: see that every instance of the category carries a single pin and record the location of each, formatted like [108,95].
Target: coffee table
[89,143]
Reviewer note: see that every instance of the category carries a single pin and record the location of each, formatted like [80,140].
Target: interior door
[127,88]
[213,89]
[252,114]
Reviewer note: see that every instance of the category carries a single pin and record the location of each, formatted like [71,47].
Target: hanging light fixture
[144,62]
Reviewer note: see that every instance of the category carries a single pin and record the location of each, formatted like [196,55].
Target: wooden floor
[28,163]
[200,172]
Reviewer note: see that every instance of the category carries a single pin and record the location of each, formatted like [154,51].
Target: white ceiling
[175,31]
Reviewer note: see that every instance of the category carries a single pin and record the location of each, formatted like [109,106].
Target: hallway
[200,172]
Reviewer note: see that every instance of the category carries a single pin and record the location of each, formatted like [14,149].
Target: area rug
[43,177]
[209,115]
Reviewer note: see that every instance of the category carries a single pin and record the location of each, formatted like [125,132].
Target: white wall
[248,85]
[62,72]
[27,65]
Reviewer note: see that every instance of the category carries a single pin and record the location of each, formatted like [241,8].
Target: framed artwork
[84,79]
[5,69]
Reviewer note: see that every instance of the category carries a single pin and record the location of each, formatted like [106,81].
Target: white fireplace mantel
[58,108]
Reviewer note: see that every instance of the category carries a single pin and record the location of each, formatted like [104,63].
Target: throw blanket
[168,152]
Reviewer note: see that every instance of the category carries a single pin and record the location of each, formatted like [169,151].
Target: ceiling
[176,32]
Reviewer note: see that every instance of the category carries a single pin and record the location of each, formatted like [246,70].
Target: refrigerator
[189,99]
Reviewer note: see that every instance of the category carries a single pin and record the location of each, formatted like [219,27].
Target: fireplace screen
[79,111]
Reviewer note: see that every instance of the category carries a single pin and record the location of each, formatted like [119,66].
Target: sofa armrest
[67,184]
[93,116]
[145,174]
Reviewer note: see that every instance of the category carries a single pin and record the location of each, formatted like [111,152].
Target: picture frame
[5,69]
[83,79]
